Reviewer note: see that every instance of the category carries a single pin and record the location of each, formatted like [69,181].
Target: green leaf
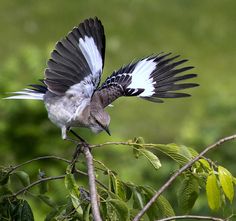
[205,163]
[234,180]
[4,177]
[213,192]
[68,211]
[24,212]
[51,215]
[188,193]
[138,202]
[192,151]
[136,152]
[137,140]
[4,192]
[73,188]
[226,181]
[120,189]
[47,200]
[43,187]
[23,177]
[179,153]
[152,158]
[128,191]
[103,210]
[111,181]
[165,208]
[161,208]
[120,208]
[86,213]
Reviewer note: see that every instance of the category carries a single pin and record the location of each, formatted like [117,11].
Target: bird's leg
[75,156]
[78,150]
[65,137]
[79,145]
[72,140]
[76,135]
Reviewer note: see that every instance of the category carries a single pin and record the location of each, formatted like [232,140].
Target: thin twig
[38,182]
[112,143]
[211,162]
[53,178]
[177,173]
[92,185]
[192,217]
[97,181]
[38,158]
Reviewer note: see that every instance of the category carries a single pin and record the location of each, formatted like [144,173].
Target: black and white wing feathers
[77,59]
[151,78]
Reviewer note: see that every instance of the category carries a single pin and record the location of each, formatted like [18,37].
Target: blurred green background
[203,31]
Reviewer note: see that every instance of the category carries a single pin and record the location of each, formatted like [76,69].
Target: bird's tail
[36,92]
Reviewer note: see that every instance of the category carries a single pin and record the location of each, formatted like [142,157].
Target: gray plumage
[70,89]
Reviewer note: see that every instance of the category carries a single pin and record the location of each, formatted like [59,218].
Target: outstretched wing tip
[152,78]
[78,55]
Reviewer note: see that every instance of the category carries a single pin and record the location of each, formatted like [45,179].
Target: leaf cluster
[119,199]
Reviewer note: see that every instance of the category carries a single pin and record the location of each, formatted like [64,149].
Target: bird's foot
[80,145]
[76,135]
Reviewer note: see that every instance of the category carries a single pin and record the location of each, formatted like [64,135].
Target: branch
[192,217]
[38,182]
[180,171]
[97,181]
[92,185]
[35,159]
[53,178]
[113,143]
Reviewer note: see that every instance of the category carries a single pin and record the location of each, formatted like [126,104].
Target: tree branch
[12,168]
[177,173]
[192,217]
[92,185]
[113,143]
[38,182]
[97,181]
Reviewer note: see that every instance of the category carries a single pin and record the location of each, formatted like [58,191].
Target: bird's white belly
[65,112]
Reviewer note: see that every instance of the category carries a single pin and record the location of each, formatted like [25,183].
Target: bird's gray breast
[65,110]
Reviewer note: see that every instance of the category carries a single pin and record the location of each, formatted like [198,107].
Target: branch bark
[36,159]
[180,171]
[38,182]
[92,185]
[192,217]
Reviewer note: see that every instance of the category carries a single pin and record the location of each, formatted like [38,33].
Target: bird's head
[99,121]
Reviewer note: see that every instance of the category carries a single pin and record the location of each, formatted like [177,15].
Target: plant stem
[192,217]
[38,182]
[92,185]
[177,173]
[38,158]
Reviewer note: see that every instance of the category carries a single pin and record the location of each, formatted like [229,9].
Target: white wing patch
[92,56]
[86,87]
[83,89]
[141,77]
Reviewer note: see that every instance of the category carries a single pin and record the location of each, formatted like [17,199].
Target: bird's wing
[151,78]
[77,61]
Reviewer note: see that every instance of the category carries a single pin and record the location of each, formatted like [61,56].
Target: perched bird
[70,88]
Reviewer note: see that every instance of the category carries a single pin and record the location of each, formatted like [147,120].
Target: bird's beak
[107,130]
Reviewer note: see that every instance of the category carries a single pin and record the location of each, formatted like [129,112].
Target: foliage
[201,31]
[119,199]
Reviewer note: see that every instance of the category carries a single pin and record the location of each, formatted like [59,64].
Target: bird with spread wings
[70,88]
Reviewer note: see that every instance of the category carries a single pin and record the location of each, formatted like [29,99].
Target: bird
[71,89]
